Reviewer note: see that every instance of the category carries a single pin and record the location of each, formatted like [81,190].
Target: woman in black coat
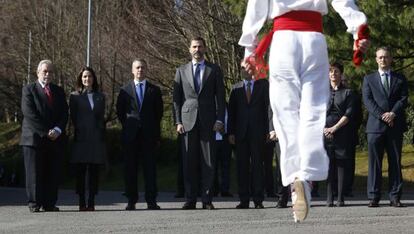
[337,133]
[87,109]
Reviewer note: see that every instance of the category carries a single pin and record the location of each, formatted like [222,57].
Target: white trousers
[299,93]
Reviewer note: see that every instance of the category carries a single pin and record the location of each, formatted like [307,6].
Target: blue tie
[138,90]
[197,79]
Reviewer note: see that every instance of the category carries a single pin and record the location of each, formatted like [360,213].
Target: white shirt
[258,11]
[90,98]
[202,68]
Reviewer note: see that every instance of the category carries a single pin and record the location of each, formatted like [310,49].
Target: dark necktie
[48,95]
[138,91]
[385,83]
[197,78]
[249,91]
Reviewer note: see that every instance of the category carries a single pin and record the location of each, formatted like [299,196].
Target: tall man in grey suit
[199,105]
[140,109]
[248,127]
[45,114]
[385,96]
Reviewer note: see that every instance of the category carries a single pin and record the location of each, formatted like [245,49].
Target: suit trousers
[140,151]
[250,169]
[377,144]
[92,177]
[268,168]
[299,93]
[42,167]
[199,155]
[281,191]
[223,159]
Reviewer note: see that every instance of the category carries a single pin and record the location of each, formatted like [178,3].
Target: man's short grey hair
[141,60]
[45,61]
[384,48]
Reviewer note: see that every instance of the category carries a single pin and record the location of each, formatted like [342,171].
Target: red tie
[48,95]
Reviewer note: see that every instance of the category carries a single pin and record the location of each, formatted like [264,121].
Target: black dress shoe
[130,206]
[51,209]
[329,204]
[153,206]
[189,206]
[373,203]
[281,204]
[258,205]
[208,206]
[243,205]
[397,203]
[34,209]
[226,194]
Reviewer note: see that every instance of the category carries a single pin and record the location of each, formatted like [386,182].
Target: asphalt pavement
[110,216]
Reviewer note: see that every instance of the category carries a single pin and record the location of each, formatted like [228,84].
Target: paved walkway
[110,217]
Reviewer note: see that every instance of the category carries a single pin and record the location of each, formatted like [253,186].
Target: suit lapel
[255,91]
[147,91]
[393,81]
[188,73]
[206,74]
[41,95]
[378,82]
[242,88]
[131,91]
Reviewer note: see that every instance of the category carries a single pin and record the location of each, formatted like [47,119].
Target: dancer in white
[299,84]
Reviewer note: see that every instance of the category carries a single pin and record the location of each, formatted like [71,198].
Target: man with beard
[199,105]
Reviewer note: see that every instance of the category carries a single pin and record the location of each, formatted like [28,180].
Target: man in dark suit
[248,128]
[282,192]
[199,104]
[140,109]
[385,96]
[45,114]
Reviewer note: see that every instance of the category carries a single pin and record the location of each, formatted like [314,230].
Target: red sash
[306,21]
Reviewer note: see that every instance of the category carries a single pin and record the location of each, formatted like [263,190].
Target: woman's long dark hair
[80,87]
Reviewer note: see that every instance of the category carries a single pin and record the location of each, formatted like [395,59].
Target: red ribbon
[363,33]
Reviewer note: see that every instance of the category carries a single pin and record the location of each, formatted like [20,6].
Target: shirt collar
[144,82]
[381,72]
[246,81]
[42,84]
[202,62]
